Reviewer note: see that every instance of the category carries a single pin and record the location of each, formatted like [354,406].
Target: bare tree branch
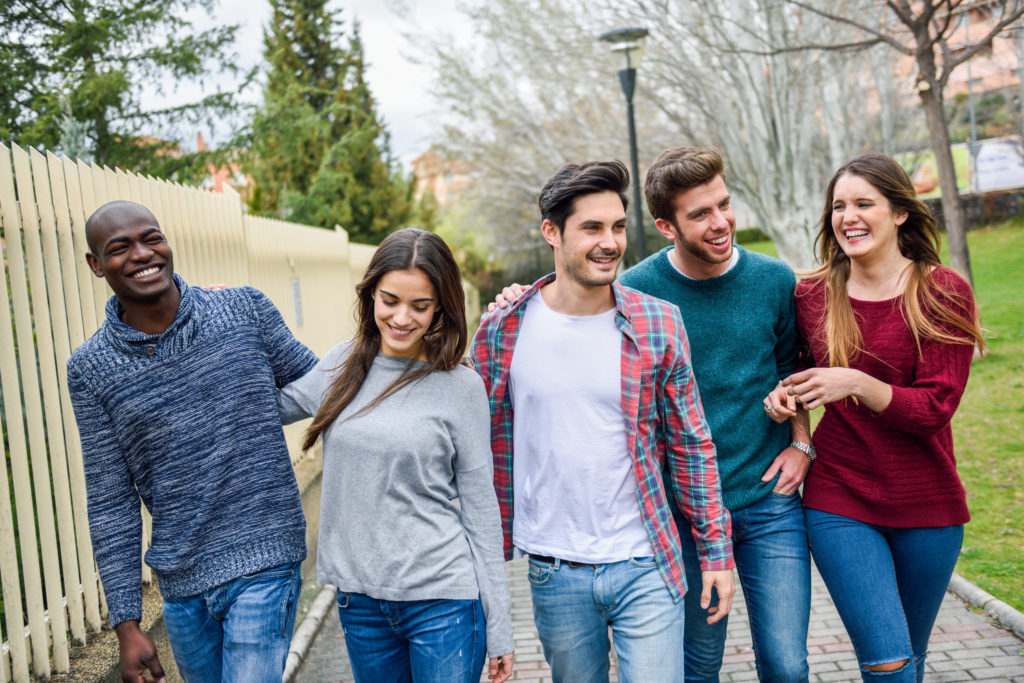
[896,45]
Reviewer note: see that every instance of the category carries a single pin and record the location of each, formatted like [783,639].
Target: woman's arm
[302,397]
[474,480]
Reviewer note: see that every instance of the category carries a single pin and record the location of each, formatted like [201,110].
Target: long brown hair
[930,312]
[444,341]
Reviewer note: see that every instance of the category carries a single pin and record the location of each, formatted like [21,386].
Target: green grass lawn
[989,426]
[988,429]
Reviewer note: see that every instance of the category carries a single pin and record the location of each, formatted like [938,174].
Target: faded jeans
[774,566]
[574,606]
[237,632]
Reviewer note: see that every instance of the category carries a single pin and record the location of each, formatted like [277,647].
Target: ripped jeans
[888,584]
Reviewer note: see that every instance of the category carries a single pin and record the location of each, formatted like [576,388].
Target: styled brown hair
[676,170]
[444,341]
[557,198]
[928,312]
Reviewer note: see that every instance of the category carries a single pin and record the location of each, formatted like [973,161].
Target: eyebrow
[600,223]
[395,296]
[693,214]
[118,240]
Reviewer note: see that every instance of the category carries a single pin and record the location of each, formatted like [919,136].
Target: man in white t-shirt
[591,394]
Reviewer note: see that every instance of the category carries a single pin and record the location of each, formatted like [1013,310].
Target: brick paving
[964,645]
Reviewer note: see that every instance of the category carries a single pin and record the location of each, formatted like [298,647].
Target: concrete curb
[994,608]
[306,632]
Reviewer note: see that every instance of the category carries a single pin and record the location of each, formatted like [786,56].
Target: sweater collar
[182,330]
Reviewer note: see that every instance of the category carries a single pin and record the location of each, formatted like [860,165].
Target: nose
[719,219]
[401,316]
[608,242]
[140,251]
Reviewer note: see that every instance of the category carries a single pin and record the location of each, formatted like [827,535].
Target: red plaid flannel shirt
[663,415]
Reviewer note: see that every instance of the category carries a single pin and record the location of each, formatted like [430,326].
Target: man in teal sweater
[738,310]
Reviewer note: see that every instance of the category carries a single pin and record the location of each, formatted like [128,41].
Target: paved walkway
[964,646]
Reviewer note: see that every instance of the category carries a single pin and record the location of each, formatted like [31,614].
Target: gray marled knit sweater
[390,526]
[187,420]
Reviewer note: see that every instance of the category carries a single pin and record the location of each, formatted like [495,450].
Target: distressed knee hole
[887,667]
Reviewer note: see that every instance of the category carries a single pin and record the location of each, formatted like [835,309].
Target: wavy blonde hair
[929,311]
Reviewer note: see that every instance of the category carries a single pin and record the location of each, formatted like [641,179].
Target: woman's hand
[779,405]
[818,386]
[500,668]
[506,296]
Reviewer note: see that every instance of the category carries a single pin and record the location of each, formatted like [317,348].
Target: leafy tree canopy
[75,69]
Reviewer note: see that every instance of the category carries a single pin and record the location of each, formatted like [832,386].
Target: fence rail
[51,593]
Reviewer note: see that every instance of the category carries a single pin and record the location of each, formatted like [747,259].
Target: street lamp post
[629,42]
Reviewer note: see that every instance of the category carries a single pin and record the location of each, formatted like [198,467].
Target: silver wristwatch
[807,448]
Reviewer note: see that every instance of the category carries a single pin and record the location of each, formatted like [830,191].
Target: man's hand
[793,464]
[138,654]
[780,405]
[500,668]
[505,297]
[722,581]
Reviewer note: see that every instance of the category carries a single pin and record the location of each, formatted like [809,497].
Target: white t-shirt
[575,489]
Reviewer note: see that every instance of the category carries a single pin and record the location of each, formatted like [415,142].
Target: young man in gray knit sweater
[175,402]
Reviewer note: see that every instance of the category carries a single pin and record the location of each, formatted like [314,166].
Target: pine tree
[320,153]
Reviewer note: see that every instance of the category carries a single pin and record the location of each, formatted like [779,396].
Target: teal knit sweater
[743,340]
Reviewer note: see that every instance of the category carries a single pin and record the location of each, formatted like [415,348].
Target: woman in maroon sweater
[890,335]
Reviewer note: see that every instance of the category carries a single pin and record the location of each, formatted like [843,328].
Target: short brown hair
[676,170]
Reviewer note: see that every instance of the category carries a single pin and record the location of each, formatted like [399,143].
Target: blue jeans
[426,641]
[239,631]
[888,584]
[774,566]
[573,607]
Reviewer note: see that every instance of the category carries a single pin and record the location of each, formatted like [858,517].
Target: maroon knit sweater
[895,468]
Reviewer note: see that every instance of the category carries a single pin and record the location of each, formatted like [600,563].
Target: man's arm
[792,462]
[289,358]
[115,527]
[695,481]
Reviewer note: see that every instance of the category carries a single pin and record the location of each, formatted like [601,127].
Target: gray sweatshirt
[390,526]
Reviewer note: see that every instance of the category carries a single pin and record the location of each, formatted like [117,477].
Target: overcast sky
[400,86]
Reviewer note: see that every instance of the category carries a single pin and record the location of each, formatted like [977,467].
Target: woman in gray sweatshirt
[409,525]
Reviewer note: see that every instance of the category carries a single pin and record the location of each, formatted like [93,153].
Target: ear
[901,218]
[94,264]
[666,228]
[551,233]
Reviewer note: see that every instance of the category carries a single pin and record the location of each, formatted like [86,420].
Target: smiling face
[589,249]
[404,304]
[128,249]
[703,229]
[863,222]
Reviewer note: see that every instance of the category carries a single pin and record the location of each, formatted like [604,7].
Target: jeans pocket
[540,573]
[644,562]
[289,604]
[281,571]
[343,600]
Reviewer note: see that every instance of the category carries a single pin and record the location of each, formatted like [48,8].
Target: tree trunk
[952,207]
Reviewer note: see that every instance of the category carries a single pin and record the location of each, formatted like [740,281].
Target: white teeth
[146,273]
[399,333]
[853,234]
[720,240]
